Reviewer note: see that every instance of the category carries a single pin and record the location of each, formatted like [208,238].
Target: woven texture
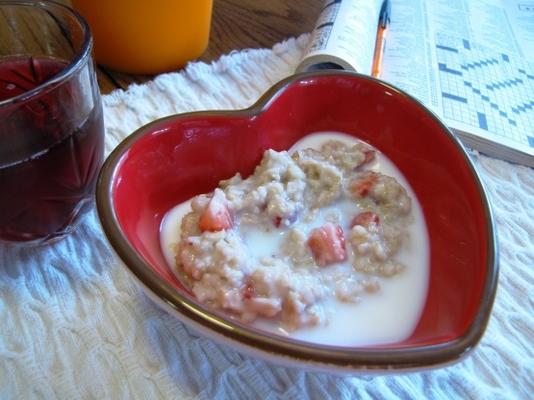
[75,325]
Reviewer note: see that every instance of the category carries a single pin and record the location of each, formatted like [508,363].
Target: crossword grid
[492,91]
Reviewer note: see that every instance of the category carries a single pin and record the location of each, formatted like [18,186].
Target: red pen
[380,45]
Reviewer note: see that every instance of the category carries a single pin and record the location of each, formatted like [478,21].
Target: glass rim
[78,61]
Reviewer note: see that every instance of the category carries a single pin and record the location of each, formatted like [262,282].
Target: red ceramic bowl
[172,159]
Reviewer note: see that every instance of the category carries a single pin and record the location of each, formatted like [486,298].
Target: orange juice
[147,37]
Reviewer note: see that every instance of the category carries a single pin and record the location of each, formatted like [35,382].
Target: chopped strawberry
[247,291]
[327,244]
[217,216]
[362,186]
[369,157]
[365,219]
[286,220]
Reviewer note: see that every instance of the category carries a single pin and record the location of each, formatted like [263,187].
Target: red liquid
[48,160]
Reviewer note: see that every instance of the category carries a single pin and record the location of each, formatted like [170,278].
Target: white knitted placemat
[75,325]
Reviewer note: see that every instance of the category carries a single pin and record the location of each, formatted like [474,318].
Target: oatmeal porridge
[315,235]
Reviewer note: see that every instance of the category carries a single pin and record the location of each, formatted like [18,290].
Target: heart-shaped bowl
[175,158]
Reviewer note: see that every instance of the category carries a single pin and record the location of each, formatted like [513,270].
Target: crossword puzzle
[492,91]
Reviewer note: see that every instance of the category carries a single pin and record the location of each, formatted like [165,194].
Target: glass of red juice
[51,123]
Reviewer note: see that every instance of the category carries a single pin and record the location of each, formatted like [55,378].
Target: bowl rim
[402,358]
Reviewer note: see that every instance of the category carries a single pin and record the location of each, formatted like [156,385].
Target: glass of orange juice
[147,37]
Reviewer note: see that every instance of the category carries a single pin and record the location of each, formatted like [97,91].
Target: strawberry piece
[217,216]
[327,244]
[287,220]
[361,187]
[248,291]
[365,219]
[370,156]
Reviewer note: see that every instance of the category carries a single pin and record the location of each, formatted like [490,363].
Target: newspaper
[469,61]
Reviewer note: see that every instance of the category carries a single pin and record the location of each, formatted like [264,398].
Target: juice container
[147,37]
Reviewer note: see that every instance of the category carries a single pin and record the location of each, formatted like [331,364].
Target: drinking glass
[147,37]
[51,124]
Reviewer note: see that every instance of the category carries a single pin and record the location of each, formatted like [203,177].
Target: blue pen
[383,22]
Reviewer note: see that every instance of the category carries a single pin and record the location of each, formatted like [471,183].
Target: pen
[383,22]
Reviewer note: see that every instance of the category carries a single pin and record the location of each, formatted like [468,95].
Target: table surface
[237,25]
